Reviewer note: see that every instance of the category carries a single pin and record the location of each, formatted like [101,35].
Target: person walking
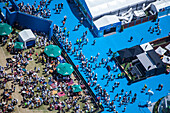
[141,40]
[94,42]
[150,28]
[160,86]
[124,109]
[68,33]
[113,88]
[159,31]
[64,29]
[65,18]
[64,23]
[131,38]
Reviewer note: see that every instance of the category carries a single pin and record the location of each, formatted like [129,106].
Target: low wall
[14,5]
[30,21]
[139,21]
[78,74]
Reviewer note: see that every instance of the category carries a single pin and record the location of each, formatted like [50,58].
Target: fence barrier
[77,73]
[139,21]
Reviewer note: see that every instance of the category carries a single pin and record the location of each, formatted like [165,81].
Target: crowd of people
[157,29]
[35,89]
[40,10]
[7,103]
[33,84]
[89,65]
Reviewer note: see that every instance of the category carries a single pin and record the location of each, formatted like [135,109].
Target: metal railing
[78,74]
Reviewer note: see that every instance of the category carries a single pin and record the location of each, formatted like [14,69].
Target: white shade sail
[167,47]
[146,47]
[160,50]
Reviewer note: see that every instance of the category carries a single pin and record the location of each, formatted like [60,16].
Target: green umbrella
[18,45]
[52,51]
[5,29]
[65,69]
[76,88]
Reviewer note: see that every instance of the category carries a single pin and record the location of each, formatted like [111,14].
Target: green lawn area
[31,66]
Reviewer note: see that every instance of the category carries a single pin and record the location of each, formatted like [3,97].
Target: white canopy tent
[101,7]
[160,50]
[106,20]
[146,47]
[25,36]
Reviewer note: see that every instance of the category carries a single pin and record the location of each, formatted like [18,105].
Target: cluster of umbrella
[63,68]
[6,29]
[51,51]
[55,52]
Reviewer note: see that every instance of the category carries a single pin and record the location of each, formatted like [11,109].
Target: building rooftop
[101,7]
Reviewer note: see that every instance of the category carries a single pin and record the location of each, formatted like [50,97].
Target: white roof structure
[101,7]
[146,47]
[106,20]
[160,50]
[168,47]
[27,35]
[159,4]
[146,62]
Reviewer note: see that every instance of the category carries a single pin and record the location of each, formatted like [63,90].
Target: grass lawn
[31,66]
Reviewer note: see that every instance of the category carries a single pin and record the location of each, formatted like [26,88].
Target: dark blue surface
[116,42]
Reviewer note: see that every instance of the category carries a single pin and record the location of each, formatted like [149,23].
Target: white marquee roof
[101,7]
[161,4]
[106,20]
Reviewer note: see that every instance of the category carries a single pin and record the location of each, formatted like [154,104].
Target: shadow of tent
[78,14]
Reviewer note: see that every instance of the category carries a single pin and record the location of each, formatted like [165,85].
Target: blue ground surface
[115,42]
[1,7]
